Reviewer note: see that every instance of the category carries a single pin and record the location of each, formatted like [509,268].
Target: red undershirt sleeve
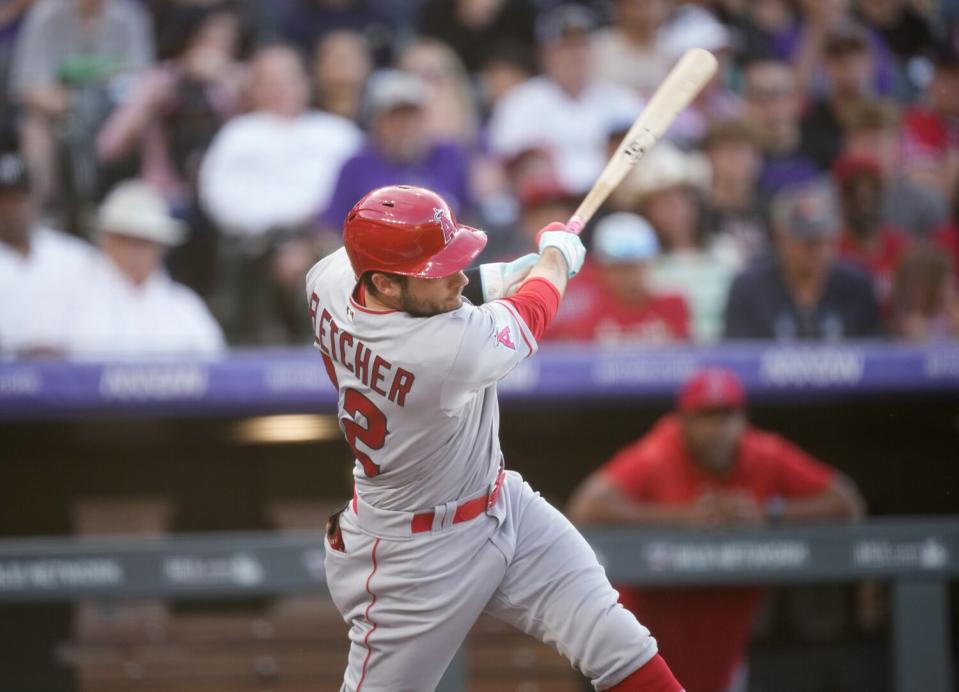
[536,301]
[654,676]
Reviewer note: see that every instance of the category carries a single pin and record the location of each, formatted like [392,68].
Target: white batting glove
[568,243]
[498,279]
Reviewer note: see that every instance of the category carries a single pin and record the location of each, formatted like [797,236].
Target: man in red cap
[704,465]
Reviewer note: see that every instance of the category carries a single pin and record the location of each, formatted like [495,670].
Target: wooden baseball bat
[684,81]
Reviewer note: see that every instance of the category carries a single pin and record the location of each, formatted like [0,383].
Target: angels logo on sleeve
[503,337]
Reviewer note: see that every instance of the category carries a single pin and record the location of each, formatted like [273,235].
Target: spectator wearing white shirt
[276,166]
[126,304]
[566,110]
[264,178]
[633,51]
[39,268]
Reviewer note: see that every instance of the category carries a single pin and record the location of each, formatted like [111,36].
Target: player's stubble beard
[418,307]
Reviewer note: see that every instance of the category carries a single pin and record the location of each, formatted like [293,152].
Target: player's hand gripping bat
[684,81]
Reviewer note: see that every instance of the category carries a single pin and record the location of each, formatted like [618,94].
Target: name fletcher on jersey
[339,345]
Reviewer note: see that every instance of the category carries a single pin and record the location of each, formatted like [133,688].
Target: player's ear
[385,284]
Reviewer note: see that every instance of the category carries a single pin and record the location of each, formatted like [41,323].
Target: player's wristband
[568,244]
[498,279]
[495,280]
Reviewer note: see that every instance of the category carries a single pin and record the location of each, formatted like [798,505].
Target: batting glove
[555,235]
[499,278]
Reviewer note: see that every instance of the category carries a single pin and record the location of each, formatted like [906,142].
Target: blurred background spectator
[773,102]
[174,110]
[903,27]
[872,128]
[734,208]
[342,62]
[71,64]
[162,129]
[476,28]
[566,110]
[806,291]
[449,110]
[704,465]
[632,51]
[694,262]
[126,305]
[399,149]
[304,22]
[541,197]
[266,174]
[865,240]
[848,69]
[11,18]
[805,45]
[613,301]
[39,269]
[931,127]
[925,300]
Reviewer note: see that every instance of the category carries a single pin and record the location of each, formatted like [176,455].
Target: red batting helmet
[408,230]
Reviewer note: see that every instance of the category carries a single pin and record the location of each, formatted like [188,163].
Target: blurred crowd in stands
[171,168]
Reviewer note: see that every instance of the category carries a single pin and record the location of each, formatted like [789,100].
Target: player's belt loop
[444,515]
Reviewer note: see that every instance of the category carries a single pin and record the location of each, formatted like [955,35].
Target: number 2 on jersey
[373,435]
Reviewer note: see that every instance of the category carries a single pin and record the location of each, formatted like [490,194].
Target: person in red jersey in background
[613,302]
[705,465]
[930,130]
[865,240]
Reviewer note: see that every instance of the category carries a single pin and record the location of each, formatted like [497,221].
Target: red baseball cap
[539,188]
[712,388]
[849,165]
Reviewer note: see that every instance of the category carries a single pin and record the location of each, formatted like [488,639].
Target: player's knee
[617,646]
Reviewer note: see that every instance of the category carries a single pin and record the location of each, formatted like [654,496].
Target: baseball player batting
[438,531]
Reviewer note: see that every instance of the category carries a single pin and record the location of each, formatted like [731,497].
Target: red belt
[470,509]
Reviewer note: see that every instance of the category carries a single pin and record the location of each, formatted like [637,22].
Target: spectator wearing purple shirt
[773,103]
[398,150]
[803,45]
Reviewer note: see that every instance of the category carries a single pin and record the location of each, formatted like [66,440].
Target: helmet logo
[449,230]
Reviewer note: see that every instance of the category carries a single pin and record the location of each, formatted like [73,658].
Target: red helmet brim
[455,256]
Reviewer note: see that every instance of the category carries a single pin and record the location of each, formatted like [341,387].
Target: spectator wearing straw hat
[126,304]
[612,301]
[692,262]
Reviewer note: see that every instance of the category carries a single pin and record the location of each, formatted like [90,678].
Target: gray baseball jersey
[417,396]
[408,572]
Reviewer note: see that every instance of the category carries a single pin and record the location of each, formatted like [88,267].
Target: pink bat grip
[575,225]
